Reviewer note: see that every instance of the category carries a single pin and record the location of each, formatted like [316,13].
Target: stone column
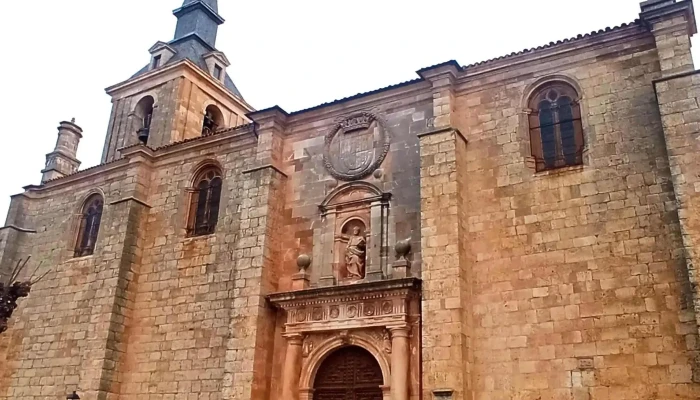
[292,367]
[400,354]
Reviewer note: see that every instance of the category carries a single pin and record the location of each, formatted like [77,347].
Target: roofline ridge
[636,22]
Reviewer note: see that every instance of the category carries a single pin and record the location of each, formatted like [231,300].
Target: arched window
[213,120]
[90,219]
[144,113]
[204,203]
[556,132]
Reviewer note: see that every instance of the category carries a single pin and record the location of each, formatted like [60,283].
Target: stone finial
[300,280]
[402,248]
[303,262]
[72,120]
[402,265]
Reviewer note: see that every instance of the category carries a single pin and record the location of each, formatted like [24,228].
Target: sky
[58,56]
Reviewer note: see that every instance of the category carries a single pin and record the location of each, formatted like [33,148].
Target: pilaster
[680,114]
[248,365]
[442,77]
[673,23]
[124,225]
[446,269]
[292,367]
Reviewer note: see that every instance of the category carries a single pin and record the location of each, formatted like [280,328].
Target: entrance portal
[350,373]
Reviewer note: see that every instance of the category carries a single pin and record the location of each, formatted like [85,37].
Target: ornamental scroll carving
[356,147]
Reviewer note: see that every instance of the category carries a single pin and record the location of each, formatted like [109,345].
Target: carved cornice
[360,306]
[360,289]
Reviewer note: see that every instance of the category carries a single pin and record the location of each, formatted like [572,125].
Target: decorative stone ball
[403,247]
[378,174]
[304,261]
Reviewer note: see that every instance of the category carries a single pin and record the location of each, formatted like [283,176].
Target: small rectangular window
[156,62]
[217,72]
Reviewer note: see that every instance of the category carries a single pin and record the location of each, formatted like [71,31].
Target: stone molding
[314,360]
[185,68]
[443,130]
[262,167]
[379,304]
[130,198]
[17,228]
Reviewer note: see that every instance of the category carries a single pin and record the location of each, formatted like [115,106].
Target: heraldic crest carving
[356,146]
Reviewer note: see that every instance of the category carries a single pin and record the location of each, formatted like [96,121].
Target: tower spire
[200,18]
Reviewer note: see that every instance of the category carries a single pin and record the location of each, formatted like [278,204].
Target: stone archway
[349,373]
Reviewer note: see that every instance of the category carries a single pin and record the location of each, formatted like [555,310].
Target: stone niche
[354,238]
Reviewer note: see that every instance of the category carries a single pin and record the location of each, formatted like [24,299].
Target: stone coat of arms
[356,147]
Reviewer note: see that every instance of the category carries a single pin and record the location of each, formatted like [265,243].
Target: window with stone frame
[89,227]
[556,131]
[205,199]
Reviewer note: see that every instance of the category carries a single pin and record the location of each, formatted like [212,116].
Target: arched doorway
[350,373]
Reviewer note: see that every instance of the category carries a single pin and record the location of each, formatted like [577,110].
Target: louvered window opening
[206,199]
[90,220]
[556,130]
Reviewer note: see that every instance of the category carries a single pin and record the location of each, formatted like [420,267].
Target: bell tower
[183,92]
[198,17]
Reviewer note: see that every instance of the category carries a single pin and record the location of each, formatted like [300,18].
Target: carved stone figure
[355,255]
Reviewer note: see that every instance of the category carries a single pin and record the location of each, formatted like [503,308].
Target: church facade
[522,228]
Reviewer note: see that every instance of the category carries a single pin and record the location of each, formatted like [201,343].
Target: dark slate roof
[194,45]
[211,3]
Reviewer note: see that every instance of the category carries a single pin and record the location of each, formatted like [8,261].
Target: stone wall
[188,287]
[405,114]
[181,98]
[580,281]
[63,334]
[577,283]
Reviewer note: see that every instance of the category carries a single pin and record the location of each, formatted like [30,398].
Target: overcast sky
[58,56]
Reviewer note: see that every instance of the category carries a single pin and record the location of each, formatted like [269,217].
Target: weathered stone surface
[575,283]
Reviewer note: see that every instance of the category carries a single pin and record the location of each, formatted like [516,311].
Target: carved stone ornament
[352,311]
[307,347]
[387,307]
[356,147]
[386,342]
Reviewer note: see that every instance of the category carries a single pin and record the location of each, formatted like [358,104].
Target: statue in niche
[356,254]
